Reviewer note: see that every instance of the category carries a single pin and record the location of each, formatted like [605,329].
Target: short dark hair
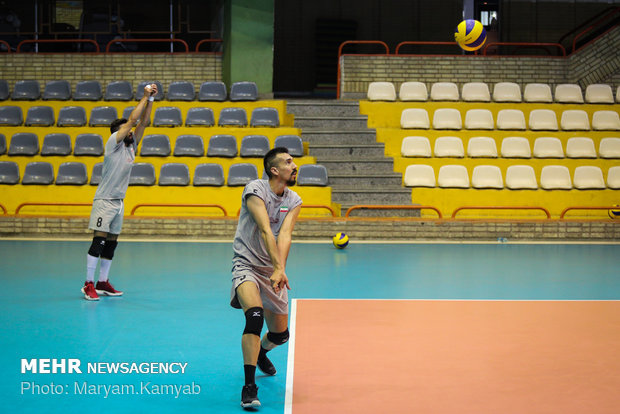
[270,158]
[116,124]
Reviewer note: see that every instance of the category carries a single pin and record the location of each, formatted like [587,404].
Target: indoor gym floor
[398,328]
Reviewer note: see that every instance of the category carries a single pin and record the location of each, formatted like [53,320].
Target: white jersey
[248,246]
[117,162]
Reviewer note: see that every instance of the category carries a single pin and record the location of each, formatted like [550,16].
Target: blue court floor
[175,312]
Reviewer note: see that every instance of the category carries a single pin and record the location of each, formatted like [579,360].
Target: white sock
[105,269]
[91,266]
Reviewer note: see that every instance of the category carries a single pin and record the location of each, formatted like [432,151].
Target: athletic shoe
[249,396]
[89,291]
[265,365]
[106,288]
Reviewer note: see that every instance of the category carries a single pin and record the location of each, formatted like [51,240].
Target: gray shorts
[275,302]
[107,216]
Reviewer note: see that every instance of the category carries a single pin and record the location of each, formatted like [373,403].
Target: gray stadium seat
[241,174]
[189,146]
[102,116]
[95,177]
[265,117]
[56,144]
[209,174]
[71,116]
[71,173]
[222,146]
[57,90]
[9,172]
[40,116]
[26,90]
[142,173]
[254,146]
[4,90]
[11,116]
[88,144]
[156,145]
[181,91]
[24,143]
[118,91]
[140,90]
[88,91]
[312,174]
[292,143]
[168,116]
[212,91]
[39,173]
[174,173]
[243,91]
[199,117]
[2,144]
[233,117]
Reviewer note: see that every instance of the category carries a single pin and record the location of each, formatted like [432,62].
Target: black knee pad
[254,321]
[278,338]
[96,248]
[108,249]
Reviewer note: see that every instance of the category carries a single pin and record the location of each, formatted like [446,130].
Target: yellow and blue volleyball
[614,213]
[341,240]
[470,35]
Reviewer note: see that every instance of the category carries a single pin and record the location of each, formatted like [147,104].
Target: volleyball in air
[614,213]
[341,240]
[470,35]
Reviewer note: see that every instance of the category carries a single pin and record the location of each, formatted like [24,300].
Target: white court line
[290,364]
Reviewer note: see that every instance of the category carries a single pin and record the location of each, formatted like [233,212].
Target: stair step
[347,150]
[345,181]
[371,165]
[374,195]
[320,108]
[361,136]
[331,122]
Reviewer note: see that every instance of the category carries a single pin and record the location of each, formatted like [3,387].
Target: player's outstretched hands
[150,89]
[279,281]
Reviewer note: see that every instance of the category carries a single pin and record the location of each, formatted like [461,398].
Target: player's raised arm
[146,114]
[125,128]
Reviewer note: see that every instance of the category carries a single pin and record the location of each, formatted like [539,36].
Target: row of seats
[171,174]
[539,120]
[168,116]
[502,92]
[511,147]
[59,144]
[518,177]
[60,90]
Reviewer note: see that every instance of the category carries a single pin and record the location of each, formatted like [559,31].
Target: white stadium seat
[588,177]
[605,121]
[415,118]
[487,176]
[418,175]
[543,120]
[444,91]
[555,177]
[568,93]
[415,146]
[575,120]
[609,148]
[475,92]
[447,118]
[449,147]
[506,92]
[511,119]
[479,119]
[481,147]
[521,177]
[453,176]
[599,93]
[381,91]
[580,147]
[548,147]
[613,178]
[413,91]
[537,92]
[618,94]
[516,147]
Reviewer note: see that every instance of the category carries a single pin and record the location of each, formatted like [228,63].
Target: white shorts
[275,302]
[107,216]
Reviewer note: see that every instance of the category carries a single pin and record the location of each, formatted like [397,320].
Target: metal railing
[37,41]
[180,41]
[133,210]
[567,209]
[22,205]
[525,45]
[456,211]
[358,42]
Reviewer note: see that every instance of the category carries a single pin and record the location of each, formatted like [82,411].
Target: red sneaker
[89,291]
[106,288]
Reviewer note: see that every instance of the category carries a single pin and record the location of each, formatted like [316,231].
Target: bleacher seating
[537,92]
[11,115]
[413,91]
[521,177]
[174,174]
[580,147]
[543,120]
[416,146]
[2,144]
[24,143]
[102,116]
[419,175]
[71,116]
[241,173]
[199,116]
[568,93]
[449,147]
[72,173]
[555,177]
[515,147]
[511,119]
[209,174]
[415,118]
[243,91]
[599,93]
[506,92]
[40,116]
[9,172]
[453,176]
[222,146]
[254,146]
[444,91]
[58,90]
[212,91]
[26,90]
[548,147]
[475,92]
[487,176]
[588,177]
[140,90]
[481,147]
[479,119]
[118,91]
[38,173]
[291,142]
[447,118]
[95,177]
[233,117]
[312,175]
[4,90]
[155,145]
[181,91]
[169,116]
[609,148]
[613,178]
[605,121]
[56,144]
[88,145]
[189,146]
[267,117]
[88,91]
[381,91]
[575,120]
[142,173]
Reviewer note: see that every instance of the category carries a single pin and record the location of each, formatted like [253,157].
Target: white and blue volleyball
[470,35]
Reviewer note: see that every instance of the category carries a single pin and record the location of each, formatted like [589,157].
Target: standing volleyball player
[269,210]
[106,217]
